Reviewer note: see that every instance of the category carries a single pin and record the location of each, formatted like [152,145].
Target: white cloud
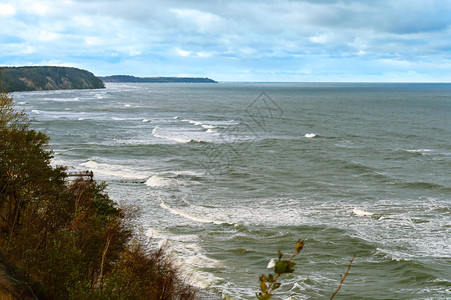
[247,51]
[135,53]
[320,39]
[93,40]
[204,54]
[270,38]
[36,7]
[202,21]
[7,10]
[48,36]
[361,52]
[181,52]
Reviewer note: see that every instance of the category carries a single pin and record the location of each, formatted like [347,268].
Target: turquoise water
[226,174]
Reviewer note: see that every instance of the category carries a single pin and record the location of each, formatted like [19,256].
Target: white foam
[200,260]
[22,103]
[189,173]
[113,170]
[157,181]
[155,234]
[162,243]
[271,264]
[224,123]
[196,123]
[125,119]
[422,151]
[361,213]
[188,216]
[419,150]
[202,124]
[206,126]
[310,135]
[62,99]
[127,105]
[170,138]
[81,119]
[145,121]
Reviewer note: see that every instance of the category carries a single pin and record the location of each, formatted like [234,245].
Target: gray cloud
[247,35]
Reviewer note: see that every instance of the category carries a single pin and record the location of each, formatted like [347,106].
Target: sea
[227,174]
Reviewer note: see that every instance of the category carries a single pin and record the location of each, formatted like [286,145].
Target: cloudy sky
[266,40]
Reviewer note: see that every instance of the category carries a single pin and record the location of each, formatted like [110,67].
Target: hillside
[38,78]
[128,78]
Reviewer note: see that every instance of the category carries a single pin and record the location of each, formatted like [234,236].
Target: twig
[344,277]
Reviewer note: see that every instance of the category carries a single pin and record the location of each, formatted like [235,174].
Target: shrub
[71,239]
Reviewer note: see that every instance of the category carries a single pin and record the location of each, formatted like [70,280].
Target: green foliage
[128,78]
[268,283]
[70,239]
[47,78]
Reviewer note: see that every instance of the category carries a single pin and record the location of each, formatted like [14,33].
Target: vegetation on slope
[40,78]
[128,78]
[68,241]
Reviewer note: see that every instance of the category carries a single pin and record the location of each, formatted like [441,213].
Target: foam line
[188,216]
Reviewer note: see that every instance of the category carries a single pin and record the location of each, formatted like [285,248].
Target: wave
[199,123]
[100,96]
[188,216]
[428,152]
[190,256]
[62,99]
[157,181]
[310,135]
[206,126]
[209,127]
[178,139]
[155,234]
[362,213]
[422,151]
[423,185]
[196,123]
[196,175]
[124,119]
[170,138]
[113,170]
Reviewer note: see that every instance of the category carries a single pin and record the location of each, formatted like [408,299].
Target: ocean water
[226,174]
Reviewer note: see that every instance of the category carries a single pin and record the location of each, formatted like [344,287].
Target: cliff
[128,78]
[14,79]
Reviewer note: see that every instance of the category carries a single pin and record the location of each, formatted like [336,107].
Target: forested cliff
[38,78]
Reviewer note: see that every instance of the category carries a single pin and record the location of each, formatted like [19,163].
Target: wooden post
[89,174]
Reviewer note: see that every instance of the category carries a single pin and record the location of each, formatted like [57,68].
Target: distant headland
[38,78]
[128,78]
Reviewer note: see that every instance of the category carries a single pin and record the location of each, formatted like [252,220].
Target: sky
[266,40]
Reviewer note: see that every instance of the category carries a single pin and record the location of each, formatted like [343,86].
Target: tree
[25,171]
[70,240]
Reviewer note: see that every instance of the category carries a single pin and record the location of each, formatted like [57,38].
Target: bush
[71,239]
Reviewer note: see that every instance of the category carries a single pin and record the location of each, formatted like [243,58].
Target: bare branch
[344,277]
